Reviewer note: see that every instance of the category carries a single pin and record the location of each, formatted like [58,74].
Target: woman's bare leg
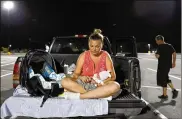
[106,90]
[102,91]
[72,86]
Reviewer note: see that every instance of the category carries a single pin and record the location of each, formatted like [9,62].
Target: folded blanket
[21,104]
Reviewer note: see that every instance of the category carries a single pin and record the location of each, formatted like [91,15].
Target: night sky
[41,21]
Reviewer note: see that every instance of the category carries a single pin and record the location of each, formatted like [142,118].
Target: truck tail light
[16,73]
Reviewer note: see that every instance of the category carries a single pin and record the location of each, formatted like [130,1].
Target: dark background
[144,19]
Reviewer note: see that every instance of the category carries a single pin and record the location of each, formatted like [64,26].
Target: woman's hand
[98,84]
[93,81]
[85,79]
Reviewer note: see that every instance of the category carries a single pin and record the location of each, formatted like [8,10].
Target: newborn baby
[103,75]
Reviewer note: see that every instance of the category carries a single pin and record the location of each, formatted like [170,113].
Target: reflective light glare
[8,5]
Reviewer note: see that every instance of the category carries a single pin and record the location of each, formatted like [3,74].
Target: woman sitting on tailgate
[90,62]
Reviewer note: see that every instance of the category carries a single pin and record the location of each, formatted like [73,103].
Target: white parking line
[179,59]
[7,64]
[13,57]
[6,70]
[169,75]
[148,59]
[159,114]
[3,62]
[7,61]
[157,87]
[6,75]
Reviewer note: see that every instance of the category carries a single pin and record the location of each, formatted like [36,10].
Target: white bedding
[20,104]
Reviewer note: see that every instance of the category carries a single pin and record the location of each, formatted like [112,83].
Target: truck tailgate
[127,101]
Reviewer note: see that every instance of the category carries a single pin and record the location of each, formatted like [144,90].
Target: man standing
[166,56]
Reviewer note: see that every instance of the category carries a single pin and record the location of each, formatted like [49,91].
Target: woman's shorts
[86,86]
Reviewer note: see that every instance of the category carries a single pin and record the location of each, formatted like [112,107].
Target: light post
[8,5]
[148,48]
[9,47]
[121,48]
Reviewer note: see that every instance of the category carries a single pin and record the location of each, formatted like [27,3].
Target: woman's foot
[70,95]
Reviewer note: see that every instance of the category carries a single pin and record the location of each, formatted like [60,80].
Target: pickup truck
[123,51]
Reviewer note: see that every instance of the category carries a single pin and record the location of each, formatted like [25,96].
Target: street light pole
[9,41]
[8,5]
[149,48]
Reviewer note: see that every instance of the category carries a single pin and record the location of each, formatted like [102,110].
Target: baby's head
[104,75]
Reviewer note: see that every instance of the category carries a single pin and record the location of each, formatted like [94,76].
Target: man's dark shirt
[165,51]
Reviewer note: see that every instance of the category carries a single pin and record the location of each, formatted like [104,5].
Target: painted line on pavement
[169,75]
[6,75]
[157,87]
[3,62]
[7,64]
[155,111]
[6,70]
[148,59]
[7,56]
[155,59]
[159,114]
